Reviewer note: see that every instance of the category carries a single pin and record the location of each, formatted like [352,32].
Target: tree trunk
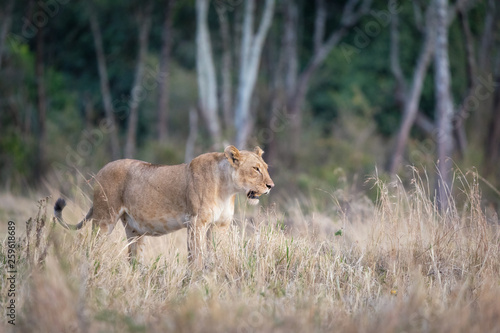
[89,111]
[444,106]
[163,86]
[425,124]
[471,66]
[412,97]
[41,104]
[400,91]
[104,83]
[193,134]
[5,26]
[488,35]
[207,81]
[350,17]
[227,65]
[493,140]
[493,137]
[283,85]
[290,48]
[137,88]
[251,48]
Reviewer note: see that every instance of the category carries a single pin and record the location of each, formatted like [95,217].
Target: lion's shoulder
[206,163]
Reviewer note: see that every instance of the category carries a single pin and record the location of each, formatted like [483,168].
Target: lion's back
[129,181]
[115,172]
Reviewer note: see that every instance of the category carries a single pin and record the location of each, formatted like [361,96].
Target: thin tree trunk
[493,137]
[193,134]
[5,26]
[104,84]
[485,62]
[242,102]
[412,98]
[469,48]
[163,86]
[401,87]
[459,121]
[444,106]
[493,140]
[89,110]
[283,85]
[137,88]
[236,38]
[350,17]
[487,38]
[227,65]
[251,49]
[290,47]
[41,104]
[425,124]
[207,81]
[323,48]
[421,120]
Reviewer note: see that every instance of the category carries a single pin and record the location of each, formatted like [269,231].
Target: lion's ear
[258,151]
[233,155]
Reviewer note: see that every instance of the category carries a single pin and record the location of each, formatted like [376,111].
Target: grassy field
[352,266]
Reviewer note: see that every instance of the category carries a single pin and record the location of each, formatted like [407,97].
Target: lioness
[153,200]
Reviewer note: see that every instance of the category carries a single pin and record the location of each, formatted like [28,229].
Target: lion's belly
[155,225]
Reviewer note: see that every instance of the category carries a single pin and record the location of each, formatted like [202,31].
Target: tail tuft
[59,205]
[58,208]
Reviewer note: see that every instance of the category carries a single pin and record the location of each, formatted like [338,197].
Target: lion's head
[250,172]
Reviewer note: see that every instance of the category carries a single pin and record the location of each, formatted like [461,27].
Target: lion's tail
[58,208]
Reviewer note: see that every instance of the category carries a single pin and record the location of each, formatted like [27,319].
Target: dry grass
[399,265]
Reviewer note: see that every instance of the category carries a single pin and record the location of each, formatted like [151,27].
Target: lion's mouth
[252,195]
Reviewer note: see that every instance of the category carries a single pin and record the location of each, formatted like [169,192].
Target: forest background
[332,91]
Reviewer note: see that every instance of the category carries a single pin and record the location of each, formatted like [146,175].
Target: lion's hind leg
[134,239]
[104,219]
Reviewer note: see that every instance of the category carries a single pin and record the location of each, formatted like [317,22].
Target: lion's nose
[270,186]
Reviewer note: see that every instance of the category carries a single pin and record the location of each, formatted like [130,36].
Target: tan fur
[153,200]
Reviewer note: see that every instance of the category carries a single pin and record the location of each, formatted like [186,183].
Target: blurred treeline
[328,93]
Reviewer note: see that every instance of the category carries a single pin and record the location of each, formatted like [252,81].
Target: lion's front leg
[195,242]
[215,233]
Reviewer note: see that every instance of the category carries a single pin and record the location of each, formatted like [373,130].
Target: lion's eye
[257,169]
